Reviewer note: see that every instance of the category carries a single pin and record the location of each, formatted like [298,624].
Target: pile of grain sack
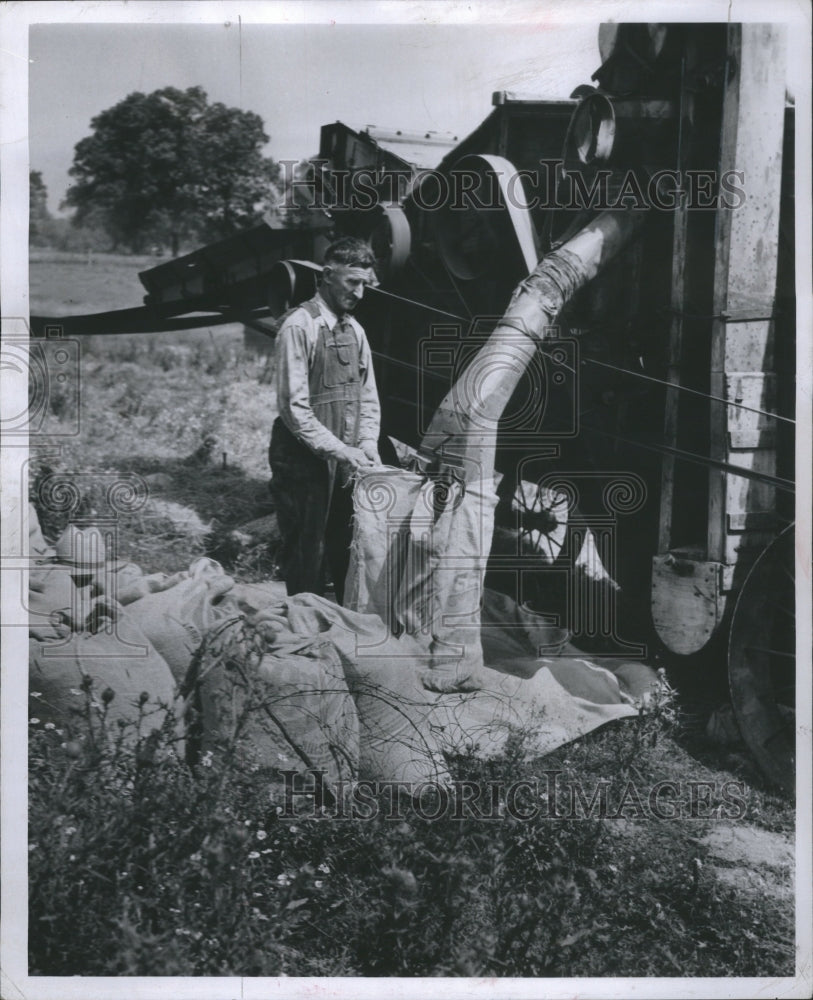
[298,683]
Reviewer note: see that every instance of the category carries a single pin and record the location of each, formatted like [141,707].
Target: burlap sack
[398,735]
[177,619]
[293,712]
[121,659]
[418,561]
[54,602]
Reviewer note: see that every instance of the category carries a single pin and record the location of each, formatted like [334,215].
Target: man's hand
[355,458]
[370,449]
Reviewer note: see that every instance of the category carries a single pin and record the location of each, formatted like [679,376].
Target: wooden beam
[747,239]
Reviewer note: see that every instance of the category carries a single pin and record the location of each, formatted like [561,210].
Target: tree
[168,167]
[38,215]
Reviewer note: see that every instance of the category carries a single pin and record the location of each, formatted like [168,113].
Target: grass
[63,284]
[144,860]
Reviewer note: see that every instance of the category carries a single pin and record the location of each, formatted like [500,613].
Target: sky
[297,77]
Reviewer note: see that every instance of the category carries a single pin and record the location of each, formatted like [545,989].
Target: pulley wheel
[290,283]
[485,222]
[391,240]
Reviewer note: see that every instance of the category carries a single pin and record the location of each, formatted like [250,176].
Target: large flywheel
[762,660]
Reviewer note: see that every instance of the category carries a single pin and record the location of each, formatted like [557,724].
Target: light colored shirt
[295,346]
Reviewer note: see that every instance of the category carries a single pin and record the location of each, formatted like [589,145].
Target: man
[328,421]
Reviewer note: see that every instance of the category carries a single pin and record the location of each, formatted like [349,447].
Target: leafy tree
[168,167]
[38,215]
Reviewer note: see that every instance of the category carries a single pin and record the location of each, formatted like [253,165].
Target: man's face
[343,286]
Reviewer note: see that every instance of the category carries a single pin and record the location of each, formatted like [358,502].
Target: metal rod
[685,388]
[772,652]
[412,302]
[787,485]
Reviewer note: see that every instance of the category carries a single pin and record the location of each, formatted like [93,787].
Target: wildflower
[253,855]
[70,831]
[261,835]
[323,868]
[49,725]
[143,698]
[35,694]
[283,879]
[108,695]
[294,829]
[73,691]
[318,883]
[32,847]
[72,857]
[206,759]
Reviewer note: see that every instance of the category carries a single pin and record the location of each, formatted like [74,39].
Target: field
[151,869]
[64,284]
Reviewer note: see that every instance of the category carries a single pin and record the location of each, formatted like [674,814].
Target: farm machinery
[657,414]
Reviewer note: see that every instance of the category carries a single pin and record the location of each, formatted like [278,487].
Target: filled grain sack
[177,619]
[55,603]
[288,709]
[119,657]
[398,738]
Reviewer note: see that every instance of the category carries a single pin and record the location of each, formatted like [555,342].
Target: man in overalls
[328,421]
